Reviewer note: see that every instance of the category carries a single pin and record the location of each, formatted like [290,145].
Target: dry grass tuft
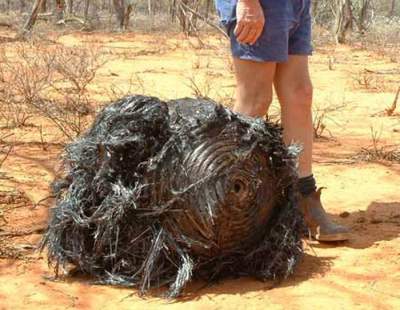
[378,151]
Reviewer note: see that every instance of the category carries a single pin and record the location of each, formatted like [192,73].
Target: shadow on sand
[380,222]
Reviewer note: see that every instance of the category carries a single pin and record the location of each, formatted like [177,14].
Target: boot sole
[333,237]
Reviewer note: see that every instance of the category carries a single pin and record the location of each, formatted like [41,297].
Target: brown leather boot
[320,226]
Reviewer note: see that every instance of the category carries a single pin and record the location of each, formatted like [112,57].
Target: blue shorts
[287,30]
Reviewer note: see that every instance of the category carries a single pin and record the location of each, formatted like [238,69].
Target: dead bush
[52,82]
[200,89]
[383,37]
[205,86]
[322,118]
[390,111]
[379,151]
[5,148]
[23,77]
[70,106]
[13,114]
[116,92]
[368,80]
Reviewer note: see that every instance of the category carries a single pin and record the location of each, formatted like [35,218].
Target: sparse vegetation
[189,15]
[5,148]
[200,89]
[49,82]
[383,37]
[205,86]
[392,108]
[369,80]
[322,117]
[379,151]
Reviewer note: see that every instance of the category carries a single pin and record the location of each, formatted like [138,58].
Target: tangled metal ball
[159,193]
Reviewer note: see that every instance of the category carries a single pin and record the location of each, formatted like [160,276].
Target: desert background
[62,61]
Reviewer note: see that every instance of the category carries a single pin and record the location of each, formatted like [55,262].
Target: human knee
[261,98]
[256,100]
[303,95]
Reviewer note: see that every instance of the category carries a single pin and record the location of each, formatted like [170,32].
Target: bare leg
[254,86]
[294,89]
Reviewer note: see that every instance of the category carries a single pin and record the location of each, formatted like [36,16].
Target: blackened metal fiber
[160,192]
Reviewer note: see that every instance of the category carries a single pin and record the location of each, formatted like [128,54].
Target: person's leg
[254,86]
[280,56]
[294,90]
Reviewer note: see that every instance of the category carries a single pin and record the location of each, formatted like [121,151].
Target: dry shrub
[70,107]
[5,147]
[379,151]
[206,86]
[322,117]
[383,37]
[13,114]
[52,82]
[390,111]
[369,80]
[23,78]
[200,88]
[135,84]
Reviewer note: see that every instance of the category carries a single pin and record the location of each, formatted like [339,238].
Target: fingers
[254,35]
[238,29]
[247,34]
[243,36]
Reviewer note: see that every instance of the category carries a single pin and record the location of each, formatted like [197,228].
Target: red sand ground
[363,273]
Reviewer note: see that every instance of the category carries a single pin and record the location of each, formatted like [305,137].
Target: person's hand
[250,21]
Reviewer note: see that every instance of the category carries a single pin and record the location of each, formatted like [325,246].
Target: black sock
[307,185]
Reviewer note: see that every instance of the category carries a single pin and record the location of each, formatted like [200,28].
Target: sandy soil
[362,273]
